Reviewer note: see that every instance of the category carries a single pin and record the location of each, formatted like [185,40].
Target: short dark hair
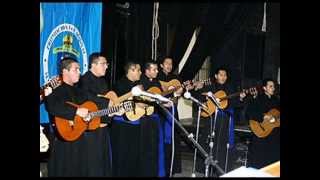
[93,58]
[266,80]
[128,65]
[163,58]
[221,68]
[148,64]
[65,63]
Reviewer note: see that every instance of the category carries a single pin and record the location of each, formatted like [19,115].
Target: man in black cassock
[223,127]
[264,151]
[134,143]
[165,74]
[98,146]
[149,79]
[68,158]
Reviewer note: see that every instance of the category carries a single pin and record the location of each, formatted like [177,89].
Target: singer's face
[167,65]
[135,72]
[100,67]
[152,72]
[73,74]
[269,88]
[221,77]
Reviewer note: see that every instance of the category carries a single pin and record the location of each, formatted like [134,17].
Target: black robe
[221,129]
[147,83]
[93,86]
[177,136]
[134,144]
[164,77]
[68,158]
[263,151]
[97,142]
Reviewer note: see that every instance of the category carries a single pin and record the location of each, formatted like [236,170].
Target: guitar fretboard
[206,82]
[247,91]
[111,110]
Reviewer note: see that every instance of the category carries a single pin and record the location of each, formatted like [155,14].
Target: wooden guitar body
[172,83]
[212,107]
[263,129]
[139,110]
[72,132]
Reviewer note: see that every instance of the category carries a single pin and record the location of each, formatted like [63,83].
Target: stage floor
[238,159]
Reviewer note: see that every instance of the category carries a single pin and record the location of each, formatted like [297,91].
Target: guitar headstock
[128,105]
[254,91]
[55,82]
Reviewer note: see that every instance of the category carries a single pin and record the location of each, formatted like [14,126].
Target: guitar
[175,84]
[72,131]
[54,82]
[263,129]
[222,95]
[139,109]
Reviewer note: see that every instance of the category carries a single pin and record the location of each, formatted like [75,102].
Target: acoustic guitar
[175,84]
[72,131]
[263,129]
[222,95]
[54,82]
[139,108]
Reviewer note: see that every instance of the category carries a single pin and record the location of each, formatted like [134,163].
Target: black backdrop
[230,33]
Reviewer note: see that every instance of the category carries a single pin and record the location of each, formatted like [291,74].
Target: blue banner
[67,29]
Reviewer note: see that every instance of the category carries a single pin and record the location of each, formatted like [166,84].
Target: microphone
[214,99]
[136,91]
[187,95]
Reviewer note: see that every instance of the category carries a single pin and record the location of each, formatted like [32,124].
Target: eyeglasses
[104,63]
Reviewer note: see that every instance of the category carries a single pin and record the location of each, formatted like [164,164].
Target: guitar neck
[231,96]
[206,82]
[236,94]
[106,111]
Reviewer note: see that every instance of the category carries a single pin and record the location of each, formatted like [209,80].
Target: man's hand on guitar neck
[188,85]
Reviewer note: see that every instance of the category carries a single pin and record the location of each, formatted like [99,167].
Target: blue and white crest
[63,35]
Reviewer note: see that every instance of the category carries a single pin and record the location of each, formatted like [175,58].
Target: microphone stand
[228,146]
[218,108]
[211,144]
[196,144]
[211,137]
[195,149]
